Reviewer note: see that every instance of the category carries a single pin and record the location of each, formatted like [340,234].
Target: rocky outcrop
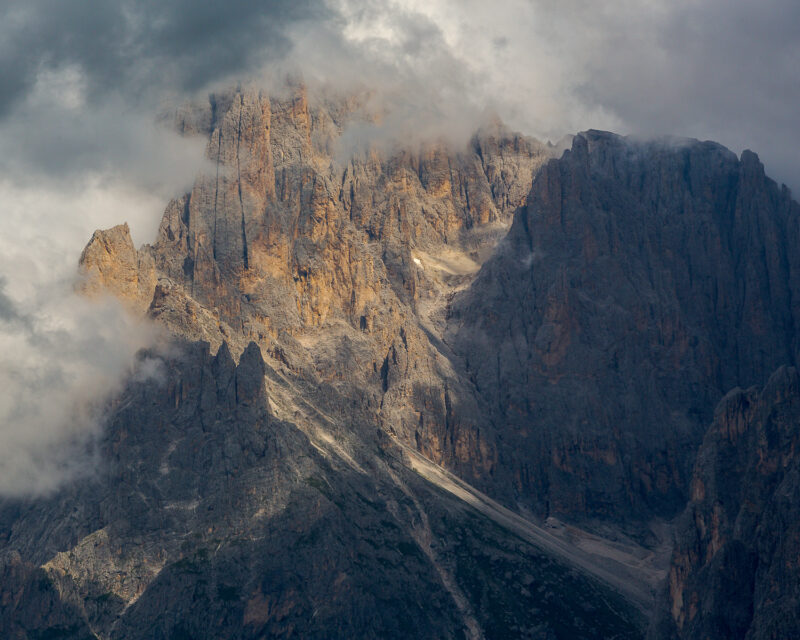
[110,264]
[31,607]
[374,302]
[340,267]
[640,282]
[734,571]
[574,377]
[211,517]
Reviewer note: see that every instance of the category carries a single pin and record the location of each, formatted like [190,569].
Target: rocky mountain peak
[110,263]
[641,282]
[435,366]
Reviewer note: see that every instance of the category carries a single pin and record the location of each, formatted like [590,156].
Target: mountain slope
[266,498]
[734,570]
[447,361]
[339,269]
[640,283]
[211,518]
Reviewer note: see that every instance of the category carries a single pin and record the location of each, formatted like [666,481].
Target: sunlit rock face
[571,374]
[110,264]
[339,265]
[640,283]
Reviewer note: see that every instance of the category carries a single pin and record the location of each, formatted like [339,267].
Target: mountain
[210,518]
[429,392]
[734,568]
[639,284]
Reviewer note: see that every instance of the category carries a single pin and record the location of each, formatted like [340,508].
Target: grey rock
[734,572]
[211,518]
[640,282]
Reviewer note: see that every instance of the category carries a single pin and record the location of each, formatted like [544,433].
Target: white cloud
[61,355]
[58,365]
[725,70]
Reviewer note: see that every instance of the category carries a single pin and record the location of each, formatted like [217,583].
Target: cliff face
[339,269]
[638,285]
[274,497]
[556,331]
[209,517]
[572,374]
[734,570]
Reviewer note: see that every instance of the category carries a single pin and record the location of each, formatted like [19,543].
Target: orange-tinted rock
[110,263]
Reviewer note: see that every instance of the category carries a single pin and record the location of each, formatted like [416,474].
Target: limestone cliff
[340,270]
[554,330]
[640,282]
[734,570]
[209,517]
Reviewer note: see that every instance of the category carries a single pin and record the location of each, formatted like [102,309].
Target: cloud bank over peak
[725,70]
[720,69]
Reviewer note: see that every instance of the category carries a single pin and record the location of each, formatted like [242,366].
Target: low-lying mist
[62,356]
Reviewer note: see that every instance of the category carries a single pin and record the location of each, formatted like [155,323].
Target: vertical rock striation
[640,282]
[340,269]
[734,570]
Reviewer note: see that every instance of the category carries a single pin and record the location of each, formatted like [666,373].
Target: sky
[82,83]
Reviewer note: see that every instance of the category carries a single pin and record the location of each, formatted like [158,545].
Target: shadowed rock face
[208,517]
[734,571]
[30,605]
[639,284]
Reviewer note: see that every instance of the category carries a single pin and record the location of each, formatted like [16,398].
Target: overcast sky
[81,82]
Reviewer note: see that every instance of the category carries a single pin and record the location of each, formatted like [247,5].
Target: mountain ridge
[416,332]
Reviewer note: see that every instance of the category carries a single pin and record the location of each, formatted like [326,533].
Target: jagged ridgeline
[471,387]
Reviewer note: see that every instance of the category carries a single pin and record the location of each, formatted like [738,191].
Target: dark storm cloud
[722,69]
[140,46]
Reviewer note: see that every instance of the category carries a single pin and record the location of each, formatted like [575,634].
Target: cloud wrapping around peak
[58,366]
[62,356]
[725,70]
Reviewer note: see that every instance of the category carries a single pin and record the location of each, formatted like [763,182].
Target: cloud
[58,365]
[61,356]
[55,146]
[720,69]
[141,47]
[725,70]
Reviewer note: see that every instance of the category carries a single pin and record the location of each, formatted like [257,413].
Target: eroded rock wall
[641,282]
[734,571]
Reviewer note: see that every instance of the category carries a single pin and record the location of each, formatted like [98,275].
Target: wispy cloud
[58,365]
